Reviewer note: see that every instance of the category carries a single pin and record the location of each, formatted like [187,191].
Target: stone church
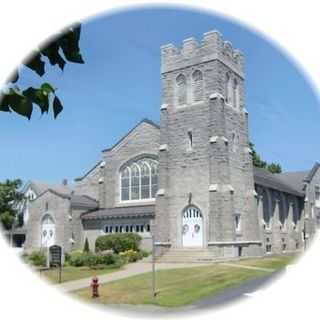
[187,185]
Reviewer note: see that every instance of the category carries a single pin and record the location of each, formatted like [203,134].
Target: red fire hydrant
[94,287]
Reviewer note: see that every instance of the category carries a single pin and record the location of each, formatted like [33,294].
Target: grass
[178,287]
[273,262]
[74,273]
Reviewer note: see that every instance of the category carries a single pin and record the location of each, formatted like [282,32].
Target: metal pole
[153,269]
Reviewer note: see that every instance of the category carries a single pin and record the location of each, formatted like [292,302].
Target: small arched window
[266,210]
[197,86]
[236,94]
[229,91]
[181,90]
[139,180]
[234,142]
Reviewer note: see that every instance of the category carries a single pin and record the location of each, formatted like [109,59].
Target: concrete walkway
[129,270]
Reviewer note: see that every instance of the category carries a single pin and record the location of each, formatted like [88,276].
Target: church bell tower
[206,196]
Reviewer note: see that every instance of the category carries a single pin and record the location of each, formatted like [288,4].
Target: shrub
[94,261]
[118,242]
[77,258]
[38,258]
[145,253]
[131,255]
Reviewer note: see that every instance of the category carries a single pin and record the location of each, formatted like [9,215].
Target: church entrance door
[192,227]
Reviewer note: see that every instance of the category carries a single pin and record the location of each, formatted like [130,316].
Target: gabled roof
[76,200]
[294,179]
[121,212]
[88,172]
[275,181]
[312,172]
[134,128]
[40,187]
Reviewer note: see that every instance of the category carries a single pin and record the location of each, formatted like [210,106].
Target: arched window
[181,90]
[236,94]
[125,187]
[229,92]
[139,180]
[197,86]
[266,210]
[234,142]
[135,182]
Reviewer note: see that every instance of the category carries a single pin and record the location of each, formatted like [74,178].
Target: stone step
[188,255]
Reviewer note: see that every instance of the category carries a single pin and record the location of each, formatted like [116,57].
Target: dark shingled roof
[312,172]
[121,212]
[277,182]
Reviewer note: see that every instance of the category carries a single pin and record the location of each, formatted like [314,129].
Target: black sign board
[55,254]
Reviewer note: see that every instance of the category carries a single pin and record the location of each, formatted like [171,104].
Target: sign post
[153,269]
[55,254]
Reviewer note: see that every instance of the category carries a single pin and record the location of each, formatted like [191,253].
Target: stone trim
[163,147]
[216,95]
[162,244]
[161,192]
[217,243]
[213,188]
[164,106]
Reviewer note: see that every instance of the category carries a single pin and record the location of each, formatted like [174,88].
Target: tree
[61,48]
[259,163]
[9,196]
[86,246]
[274,168]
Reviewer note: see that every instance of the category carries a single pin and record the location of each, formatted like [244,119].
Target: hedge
[81,259]
[118,242]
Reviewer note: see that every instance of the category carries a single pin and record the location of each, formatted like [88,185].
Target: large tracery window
[139,180]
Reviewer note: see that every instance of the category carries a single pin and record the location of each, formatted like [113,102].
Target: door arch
[48,231]
[192,227]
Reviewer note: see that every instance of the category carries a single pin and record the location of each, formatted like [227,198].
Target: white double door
[192,228]
[48,235]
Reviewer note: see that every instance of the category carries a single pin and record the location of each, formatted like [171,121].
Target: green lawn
[74,273]
[273,262]
[178,287]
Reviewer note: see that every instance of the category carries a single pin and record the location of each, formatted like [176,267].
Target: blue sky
[119,85]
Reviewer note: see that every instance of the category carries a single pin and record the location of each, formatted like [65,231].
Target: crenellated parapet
[211,47]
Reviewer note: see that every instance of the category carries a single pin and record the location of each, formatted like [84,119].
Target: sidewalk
[129,270]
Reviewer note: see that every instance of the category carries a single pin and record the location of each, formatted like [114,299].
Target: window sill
[135,202]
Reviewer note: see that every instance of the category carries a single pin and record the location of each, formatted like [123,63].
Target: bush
[131,255]
[77,258]
[37,258]
[145,253]
[94,261]
[118,242]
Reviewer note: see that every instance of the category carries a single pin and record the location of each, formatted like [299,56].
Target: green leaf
[57,106]
[21,105]
[51,51]
[69,43]
[39,97]
[46,87]
[4,103]
[35,63]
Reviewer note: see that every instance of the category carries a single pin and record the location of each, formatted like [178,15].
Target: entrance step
[188,255]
